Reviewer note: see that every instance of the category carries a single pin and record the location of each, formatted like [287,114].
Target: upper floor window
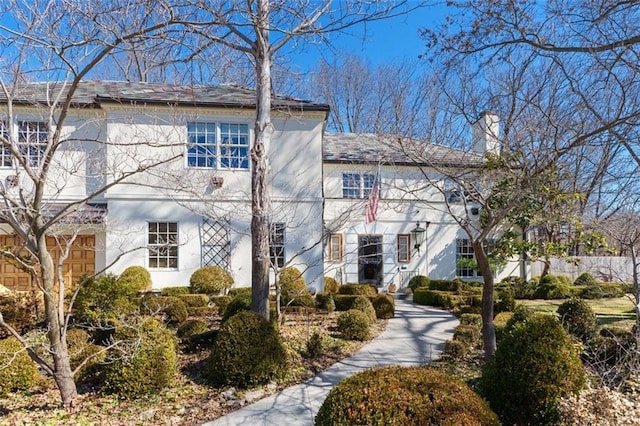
[218,145]
[357,185]
[163,245]
[32,141]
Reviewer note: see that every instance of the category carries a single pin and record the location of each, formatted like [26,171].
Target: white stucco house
[159,175]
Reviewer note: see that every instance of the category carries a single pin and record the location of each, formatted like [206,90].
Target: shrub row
[383,304]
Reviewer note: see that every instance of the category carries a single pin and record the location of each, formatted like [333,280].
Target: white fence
[603,268]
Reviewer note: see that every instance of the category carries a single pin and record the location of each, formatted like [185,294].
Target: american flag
[371,211]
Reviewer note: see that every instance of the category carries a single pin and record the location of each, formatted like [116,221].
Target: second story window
[357,185]
[218,145]
[32,141]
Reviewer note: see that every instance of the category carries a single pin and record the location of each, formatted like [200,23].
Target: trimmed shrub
[314,345]
[455,349]
[325,301]
[194,300]
[534,366]
[467,334]
[343,302]
[17,371]
[241,302]
[506,300]
[105,298]
[585,279]
[358,289]
[171,307]
[148,365]
[418,281]
[577,317]
[81,350]
[403,396]
[136,279]
[354,325]
[424,296]
[553,287]
[202,311]
[191,327]
[175,291]
[601,291]
[247,352]
[384,305]
[210,280]
[363,304]
[330,285]
[221,302]
[454,286]
[500,322]
[520,314]
[239,290]
[293,289]
[17,312]
[471,319]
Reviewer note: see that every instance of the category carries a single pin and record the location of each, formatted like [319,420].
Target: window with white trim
[357,185]
[335,248]
[32,141]
[162,245]
[276,244]
[404,248]
[218,145]
[6,159]
[464,255]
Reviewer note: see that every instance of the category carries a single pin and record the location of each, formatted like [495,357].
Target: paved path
[414,336]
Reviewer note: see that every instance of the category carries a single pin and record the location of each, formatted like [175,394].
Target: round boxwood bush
[578,318]
[418,281]
[17,313]
[210,280]
[403,396]
[534,366]
[362,303]
[331,285]
[585,279]
[17,371]
[384,306]
[354,325]
[520,314]
[247,352]
[293,289]
[105,298]
[83,352]
[552,287]
[191,328]
[172,308]
[148,363]
[241,302]
[500,324]
[135,279]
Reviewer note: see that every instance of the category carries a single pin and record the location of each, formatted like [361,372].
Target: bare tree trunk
[636,287]
[488,330]
[546,266]
[62,373]
[259,162]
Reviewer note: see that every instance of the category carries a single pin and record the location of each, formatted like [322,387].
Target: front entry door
[370,259]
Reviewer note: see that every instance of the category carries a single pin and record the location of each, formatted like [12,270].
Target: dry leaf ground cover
[190,400]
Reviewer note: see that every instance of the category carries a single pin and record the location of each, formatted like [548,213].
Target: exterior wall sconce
[418,234]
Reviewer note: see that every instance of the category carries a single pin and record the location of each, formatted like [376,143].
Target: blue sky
[386,41]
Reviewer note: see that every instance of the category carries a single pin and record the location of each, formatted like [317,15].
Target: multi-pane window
[218,145]
[5,154]
[357,185]
[276,244]
[163,245]
[335,248]
[404,248]
[32,141]
[464,258]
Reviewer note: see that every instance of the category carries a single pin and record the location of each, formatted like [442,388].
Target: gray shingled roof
[93,92]
[355,148]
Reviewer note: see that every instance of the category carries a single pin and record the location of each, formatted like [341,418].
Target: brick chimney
[485,134]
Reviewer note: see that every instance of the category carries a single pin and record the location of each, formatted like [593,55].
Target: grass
[617,311]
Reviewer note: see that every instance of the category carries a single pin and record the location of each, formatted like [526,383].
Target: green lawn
[617,311]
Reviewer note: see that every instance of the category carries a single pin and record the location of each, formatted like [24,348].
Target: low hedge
[325,301]
[600,291]
[343,302]
[358,289]
[174,291]
[17,371]
[203,311]
[384,305]
[446,285]
[194,300]
[424,296]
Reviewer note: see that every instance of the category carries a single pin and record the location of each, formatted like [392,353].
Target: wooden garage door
[81,261]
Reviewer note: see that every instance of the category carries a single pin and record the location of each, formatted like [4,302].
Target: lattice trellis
[216,245]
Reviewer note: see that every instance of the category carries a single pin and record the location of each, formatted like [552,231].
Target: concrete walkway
[415,336]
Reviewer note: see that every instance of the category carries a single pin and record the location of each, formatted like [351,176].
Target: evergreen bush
[82,350]
[358,289]
[314,345]
[553,287]
[190,328]
[467,334]
[106,298]
[221,302]
[534,366]
[455,349]
[384,305]
[194,300]
[354,325]
[403,396]
[148,364]
[17,371]
[363,304]
[241,302]
[171,307]
[577,317]
[175,291]
[585,279]
[135,279]
[247,352]
[418,281]
[17,312]
[500,322]
[330,285]
[293,288]
[210,280]
[471,319]
[325,302]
